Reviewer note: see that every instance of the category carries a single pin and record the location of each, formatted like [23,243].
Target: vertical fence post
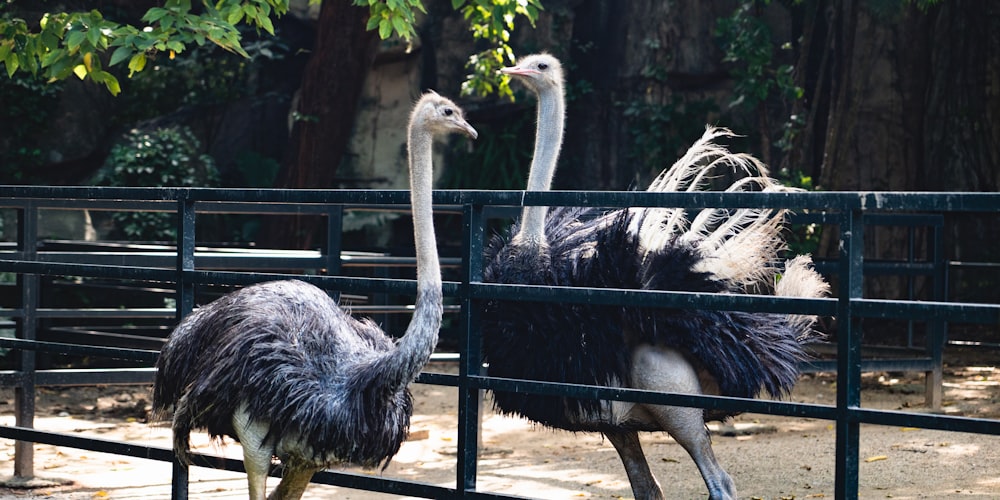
[936,329]
[27,328]
[470,347]
[185,304]
[334,243]
[850,270]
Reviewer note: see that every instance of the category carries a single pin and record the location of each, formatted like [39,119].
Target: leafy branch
[72,43]
[492,21]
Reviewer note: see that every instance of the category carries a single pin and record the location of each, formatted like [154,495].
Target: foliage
[661,131]
[61,44]
[26,106]
[163,157]
[390,16]
[72,43]
[203,76]
[492,21]
[749,46]
[801,239]
[500,159]
[759,78]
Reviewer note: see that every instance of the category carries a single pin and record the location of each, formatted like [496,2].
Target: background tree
[835,94]
[88,44]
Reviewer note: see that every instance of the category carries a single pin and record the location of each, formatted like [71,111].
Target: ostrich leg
[662,369]
[687,427]
[294,482]
[256,455]
[644,485]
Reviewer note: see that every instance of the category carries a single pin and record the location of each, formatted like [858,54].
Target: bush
[165,157]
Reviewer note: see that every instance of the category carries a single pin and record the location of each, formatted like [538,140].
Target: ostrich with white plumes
[284,370]
[689,351]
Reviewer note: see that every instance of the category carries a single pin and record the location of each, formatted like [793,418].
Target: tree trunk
[909,111]
[637,59]
[324,117]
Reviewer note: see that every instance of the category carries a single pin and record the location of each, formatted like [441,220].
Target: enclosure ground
[769,457]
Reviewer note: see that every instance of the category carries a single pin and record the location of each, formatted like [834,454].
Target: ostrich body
[672,350]
[280,367]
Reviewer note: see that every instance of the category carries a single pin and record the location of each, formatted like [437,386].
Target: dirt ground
[768,457]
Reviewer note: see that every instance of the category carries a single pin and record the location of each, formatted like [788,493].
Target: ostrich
[684,351]
[281,368]
[543,75]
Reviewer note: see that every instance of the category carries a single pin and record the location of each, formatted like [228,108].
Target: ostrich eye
[448,111]
[543,66]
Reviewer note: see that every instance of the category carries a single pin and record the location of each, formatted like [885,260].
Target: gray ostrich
[282,369]
[685,351]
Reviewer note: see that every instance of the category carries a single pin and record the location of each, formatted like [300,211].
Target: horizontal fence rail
[181,268]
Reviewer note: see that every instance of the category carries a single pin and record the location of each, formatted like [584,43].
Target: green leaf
[136,64]
[94,36]
[74,39]
[110,82]
[235,15]
[12,64]
[384,28]
[154,14]
[265,22]
[119,55]
[401,27]
[456,4]
[49,40]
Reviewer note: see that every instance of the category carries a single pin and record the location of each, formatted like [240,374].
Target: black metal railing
[846,213]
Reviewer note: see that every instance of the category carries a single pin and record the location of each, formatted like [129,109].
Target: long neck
[548,140]
[416,346]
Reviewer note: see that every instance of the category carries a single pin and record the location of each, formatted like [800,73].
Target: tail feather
[688,174]
[740,246]
[691,170]
[801,280]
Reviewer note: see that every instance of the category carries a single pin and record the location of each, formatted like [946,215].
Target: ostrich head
[439,116]
[539,72]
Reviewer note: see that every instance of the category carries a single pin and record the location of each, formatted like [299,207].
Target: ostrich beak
[519,71]
[469,131]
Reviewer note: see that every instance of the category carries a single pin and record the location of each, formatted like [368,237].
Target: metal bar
[344,479]
[937,327]
[927,310]
[27,329]
[849,356]
[873,365]
[851,211]
[83,350]
[334,230]
[207,260]
[95,376]
[138,312]
[823,201]
[470,397]
[186,241]
[186,219]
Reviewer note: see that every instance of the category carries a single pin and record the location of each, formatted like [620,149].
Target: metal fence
[188,266]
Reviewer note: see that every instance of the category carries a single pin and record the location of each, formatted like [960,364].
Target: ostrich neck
[402,365]
[421,186]
[548,140]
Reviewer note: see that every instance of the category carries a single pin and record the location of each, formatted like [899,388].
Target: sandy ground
[768,457]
